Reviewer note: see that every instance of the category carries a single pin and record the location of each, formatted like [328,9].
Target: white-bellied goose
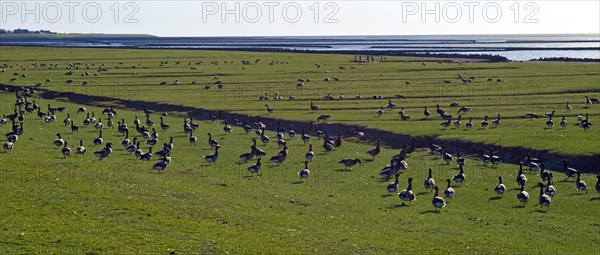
[457,122]
[523,196]
[139,152]
[309,154]
[390,170]
[269,109]
[162,164]
[437,201]
[192,138]
[460,160]
[598,183]
[403,116]
[550,190]
[303,174]
[327,144]
[149,122]
[434,148]
[580,184]
[291,133]
[99,125]
[348,163]
[147,156]
[446,123]
[484,157]
[521,178]
[59,141]
[549,114]
[80,148]
[126,142]
[255,168]
[101,154]
[469,124]
[305,138]
[66,150]
[170,145]
[549,122]
[87,120]
[212,158]
[393,187]
[8,145]
[248,155]
[110,123]
[407,195]
[429,182]
[98,139]
[449,192]
[568,107]
[212,142]
[446,156]
[497,121]
[133,146]
[67,120]
[227,129]
[374,152]
[495,160]
[569,172]
[280,157]
[379,112]
[391,105]
[146,111]
[545,200]
[136,121]
[460,177]
[500,187]
[264,138]
[426,112]
[563,122]
[92,119]
[338,141]
[545,175]
[484,123]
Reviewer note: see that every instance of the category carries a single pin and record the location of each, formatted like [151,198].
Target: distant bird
[500,187]
[521,178]
[212,142]
[568,107]
[98,140]
[255,168]
[212,158]
[314,107]
[349,162]
[429,182]
[449,192]
[374,152]
[495,160]
[304,173]
[59,141]
[523,196]
[104,153]
[569,172]
[379,112]
[497,121]
[484,157]
[484,123]
[426,113]
[550,190]
[460,177]
[66,150]
[310,154]
[469,124]
[460,160]
[248,155]
[580,184]
[545,175]
[549,122]
[563,122]
[393,187]
[598,183]
[407,194]
[269,109]
[544,199]
[437,201]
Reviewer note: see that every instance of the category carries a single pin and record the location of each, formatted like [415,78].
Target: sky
[303,17]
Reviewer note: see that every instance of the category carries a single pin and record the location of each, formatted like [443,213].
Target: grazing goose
[310,154]
[374,152]
[563,122]
[407,195]
[391,105]
[101,154]
[98,139]
[269,109]
[163,125]
[349,162]
[426,113]
[81,109]
[460,177]
[147,156]
[469,124]
[521,178]
[192,138]
[495,160]
[545,200]
[255,168]
[227,129]
[446,123]
[80,148]
[303,174]
[133,146]
[496,122]
[429,182]
[484,123]
[379,112]
[314,107]
[248,155]
[66,150]
[550,123]
[569,172]
[212,142]
[460,160]
[59,141]
[437,201]
[8,145]
[523,196]
[280,157]
[393,187]
[67,120]
[446,156]
[449,192]
[213,157]
[531,115]
[580,184]
[545,175]
[500,188]
[550,190]
[598,183]
[403,116]
[568,107]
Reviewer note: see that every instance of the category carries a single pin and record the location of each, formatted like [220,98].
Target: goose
[460,160]
[545,175]
[67,120]
[304,137]
[408,149]
[426,113]
[570,172]
[469,124]
[534,160]
[545,200]
[146,111]
[568,107]
[146,156]
[531,115]
[303,174]
[264,138]
[460,177]
[350,162]
[580,184]
[81,109]
[193,125]
[170,145]
[8,145]
[563,122]
[126,142]
[227,129]
[80,149]
[401,112]
[192,138]
[379,112]
[521,178]
[496,122]
[495,160]
[280,141]
[457,122]
[152,141]
[374,152]
[580,117]
[136,121]
[598,183]
[248,155]
[438,110]
[133,146]
[110,123]
[162,164]
[163,125]
[407,195]
[255,168]
[338,141]
[310,154]
[314,107]
[98,139]
[269,109]
[327,145]
[523,196]
[39,113]
[66,150]
[212,142]
[549,114]
[449,192]
[500,188]
[122,127]
[391,105]
[550,123]
[165,150]
[101,154]
[429,182]
[99,124]
[446,156]
[213,157]
[446,123]
[92,119]
[87,120]
[281,156]
[484,123]
[59,141]
[393,187]
[434,148]
[212,117]
[291,133]
[550,190]
[464,110]
[437,201]
[149,122]
[390,170]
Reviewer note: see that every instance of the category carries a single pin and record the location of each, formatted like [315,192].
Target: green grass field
[525,87]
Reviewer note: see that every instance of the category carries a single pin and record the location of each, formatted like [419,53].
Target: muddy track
[587,164]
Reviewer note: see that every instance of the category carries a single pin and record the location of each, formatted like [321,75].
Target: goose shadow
[368,159]
[423,193]
[594,198]
[541,211]
[429,211]
[494,198]
[396,206]
[297,182]
[343,170]
[578,194]
[518,206]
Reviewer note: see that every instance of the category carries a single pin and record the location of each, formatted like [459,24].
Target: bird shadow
[578,194]
[494,198]
[540,211]
[368,159]
[515,189]
[430,211]
[343,170]
[396,206]
[594,198]
[423,193]
[518,206]
[297,182]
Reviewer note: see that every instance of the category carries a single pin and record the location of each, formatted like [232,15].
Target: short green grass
[526,87]
[79,205]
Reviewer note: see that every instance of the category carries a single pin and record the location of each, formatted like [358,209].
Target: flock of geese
[148,134]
